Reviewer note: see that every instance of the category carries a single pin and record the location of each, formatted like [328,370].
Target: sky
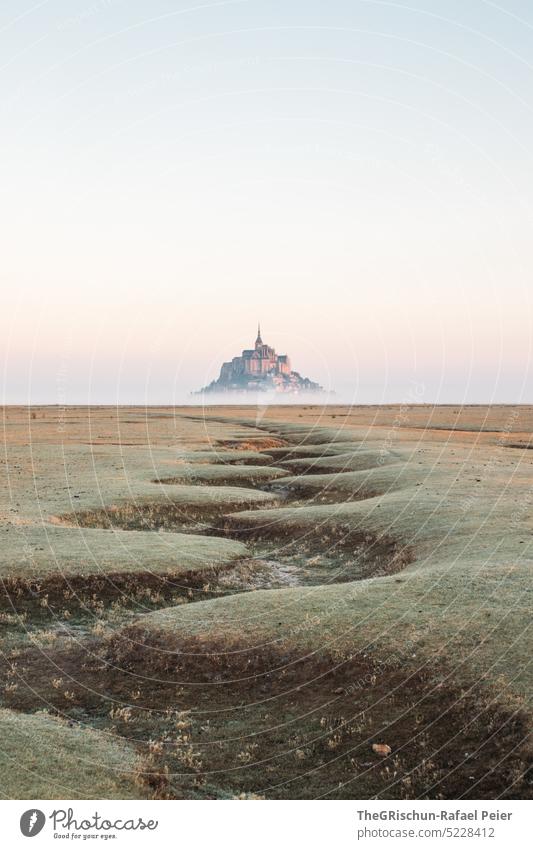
[355,174]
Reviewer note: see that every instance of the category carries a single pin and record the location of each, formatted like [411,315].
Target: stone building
[260,368]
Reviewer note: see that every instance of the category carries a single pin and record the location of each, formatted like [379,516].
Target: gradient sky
[355,174]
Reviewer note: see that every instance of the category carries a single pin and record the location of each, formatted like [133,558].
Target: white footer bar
[253,824]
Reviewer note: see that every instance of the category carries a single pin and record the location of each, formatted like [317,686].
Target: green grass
[458,514]
[43,758]
[245,475]
[355,460]
[172,508]
[350,485]
[54,550]
[474,617]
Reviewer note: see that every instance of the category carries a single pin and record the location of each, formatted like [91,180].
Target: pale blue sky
[356,174]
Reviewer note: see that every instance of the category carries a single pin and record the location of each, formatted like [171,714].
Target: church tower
[258,341]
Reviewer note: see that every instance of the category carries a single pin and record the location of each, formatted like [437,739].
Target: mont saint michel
[261,369]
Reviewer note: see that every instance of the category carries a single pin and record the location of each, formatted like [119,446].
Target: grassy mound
[358,459]
[46,582]
[472,616]
[38,553]
[224,475]
[43,758]
[352,486]
[174,508]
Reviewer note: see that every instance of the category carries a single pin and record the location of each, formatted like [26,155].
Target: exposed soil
[247,479]
[282,726]
[255,443]
[155,516]
[374,556]
[84,598]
